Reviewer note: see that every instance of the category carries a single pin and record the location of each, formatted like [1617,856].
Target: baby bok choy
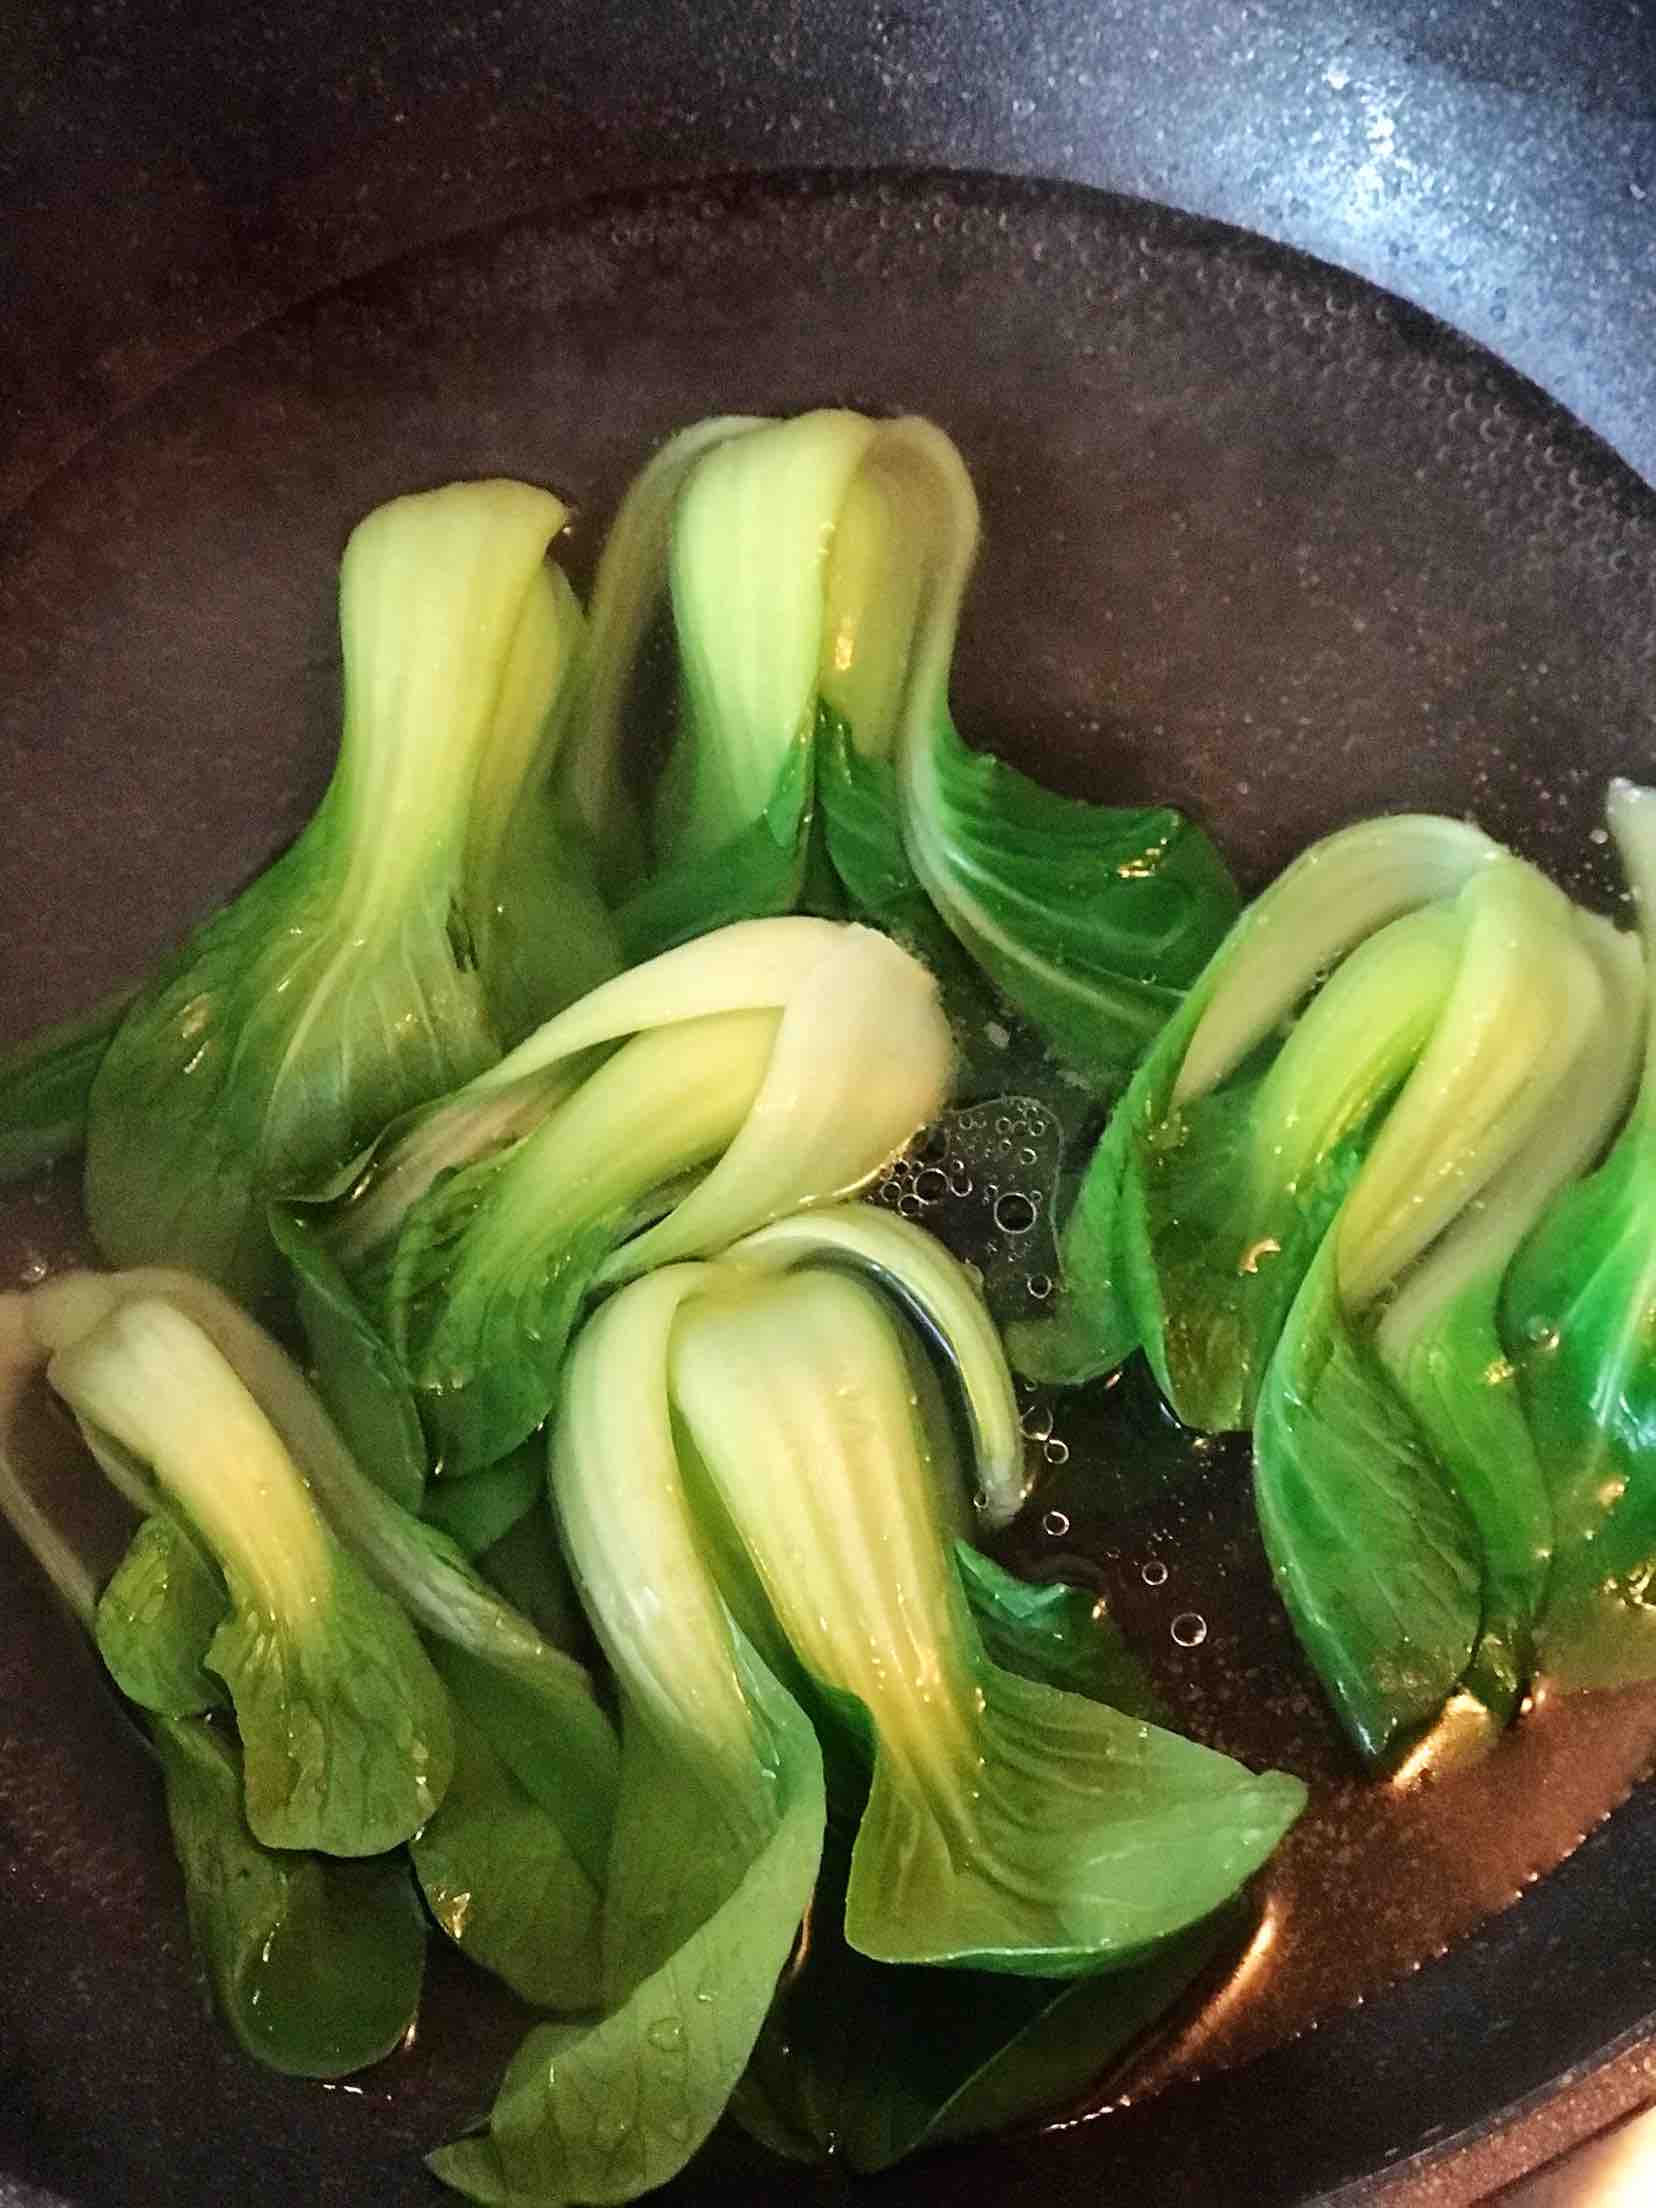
[512,1858]
[359,974]
[814,570]
[1233,1146]
[768,1066]
[346,1736]
[729,525]
[1410,1542]
[1008,1825]
[719,1828]
[753,1494]
[315,1961]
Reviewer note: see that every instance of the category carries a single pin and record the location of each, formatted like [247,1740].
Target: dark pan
[1261,540]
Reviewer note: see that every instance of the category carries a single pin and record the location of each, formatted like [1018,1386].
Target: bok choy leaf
[1440,1340]
[1090,919]
[541,1715]
[45,1086]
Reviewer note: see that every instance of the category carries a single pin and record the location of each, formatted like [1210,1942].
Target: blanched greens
[1259,1185]
[814,571]
[770,1065]
[1402,1560]
[749,1484]
[1111,1836]
[610,1582]
[315,1962]
[1090,919]
[345,1728]
[719,1830]
[344,985]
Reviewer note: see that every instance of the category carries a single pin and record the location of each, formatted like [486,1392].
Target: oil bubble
[1056,1522]
[1014,1213]
[1154,1574]
[1189,1629]
[1037,1421]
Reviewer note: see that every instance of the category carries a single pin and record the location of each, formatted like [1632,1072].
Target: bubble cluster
[981,1179]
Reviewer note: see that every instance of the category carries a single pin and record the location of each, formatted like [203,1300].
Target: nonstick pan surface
[1260,540]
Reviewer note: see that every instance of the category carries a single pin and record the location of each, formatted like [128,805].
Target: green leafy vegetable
[781,1063]
[940,1296]
[1090,919]
[156,1622]
[537,940]
[1376,1556]
[1009,1825]
[603,837]
[355,1371]
[1334,896]
[1379,1559]
[478,1512]
[342,986]
[748,542]
[344,1726]
[720,1826]
[45,1084]
[499,1872]
[871,2062]
[527,1566]
[316,1964]
[1228,1197]
[1440,1336]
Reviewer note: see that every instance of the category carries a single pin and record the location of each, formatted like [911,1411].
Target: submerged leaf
[1578,1318]
[316,1964]
[738,533]
[544,1721]
[1229,1195]
[1385,1569]
[156,1622]
[45,1085]
[1375,1555]
[498,1870]
[1440,1336]
[1089,919]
